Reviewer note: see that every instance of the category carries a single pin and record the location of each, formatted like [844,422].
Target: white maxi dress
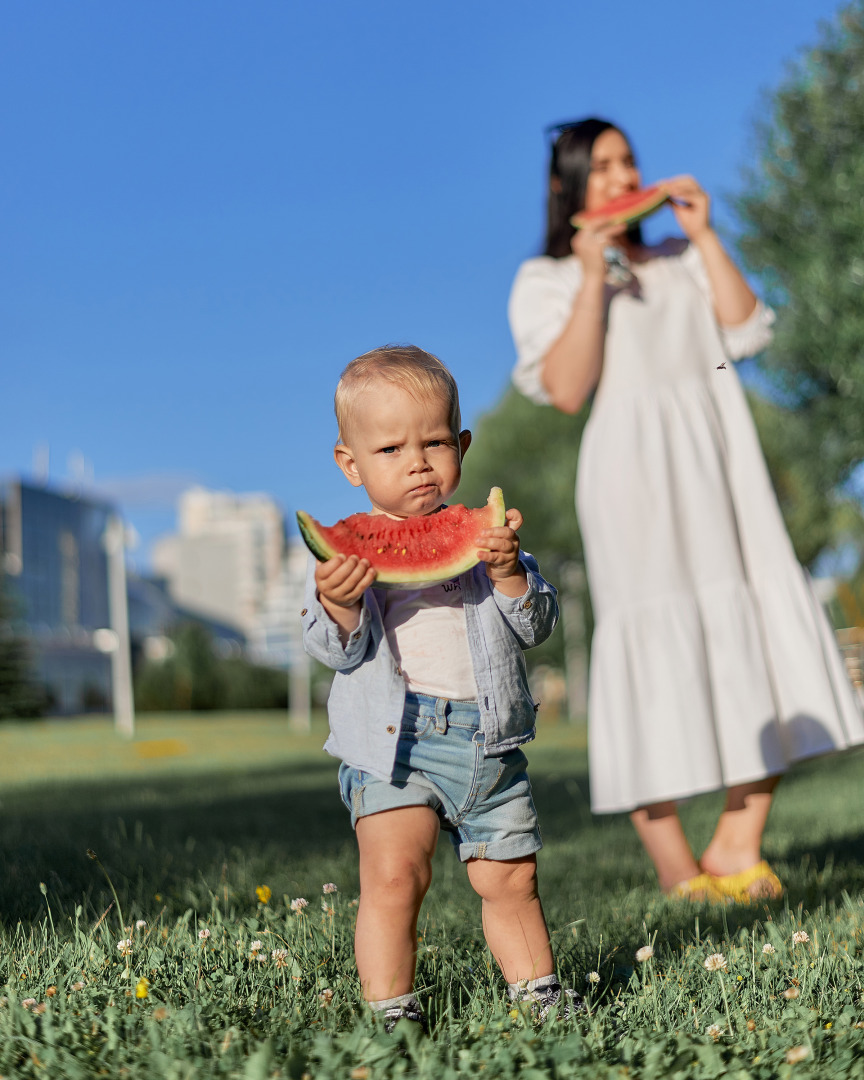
[712,662]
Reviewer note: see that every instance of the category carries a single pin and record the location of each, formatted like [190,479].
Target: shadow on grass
[181,837]
[155,836]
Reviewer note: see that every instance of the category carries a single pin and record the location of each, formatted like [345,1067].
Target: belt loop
[441,707]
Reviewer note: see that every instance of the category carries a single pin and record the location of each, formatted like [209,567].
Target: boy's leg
[513,919]
[396,849]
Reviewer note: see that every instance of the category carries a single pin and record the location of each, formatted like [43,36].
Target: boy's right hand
[341,582]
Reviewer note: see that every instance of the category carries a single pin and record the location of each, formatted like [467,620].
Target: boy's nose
[419,462]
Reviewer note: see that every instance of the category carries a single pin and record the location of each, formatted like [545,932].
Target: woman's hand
[500,552]
[691,205]
[589,244]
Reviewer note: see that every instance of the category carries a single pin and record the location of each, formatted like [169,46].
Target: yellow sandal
[699,889]
[739,887]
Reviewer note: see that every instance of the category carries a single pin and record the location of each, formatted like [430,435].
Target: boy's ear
[464,442]
[345,461]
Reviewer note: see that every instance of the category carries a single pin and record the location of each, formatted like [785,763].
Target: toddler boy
[430,699]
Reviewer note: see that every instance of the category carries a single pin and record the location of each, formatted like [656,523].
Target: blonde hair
[413,369]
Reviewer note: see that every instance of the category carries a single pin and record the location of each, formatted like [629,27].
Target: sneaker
[409,1011]
[542,1001]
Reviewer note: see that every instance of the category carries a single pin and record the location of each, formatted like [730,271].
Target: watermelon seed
[403,551]
[380,551]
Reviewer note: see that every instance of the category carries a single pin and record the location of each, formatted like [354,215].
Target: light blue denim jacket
[368,693]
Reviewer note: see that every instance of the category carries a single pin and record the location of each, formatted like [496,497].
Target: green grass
[187,838]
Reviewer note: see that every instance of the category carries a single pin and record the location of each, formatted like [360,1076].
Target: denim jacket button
[303,612]
[526,605]
[391,730]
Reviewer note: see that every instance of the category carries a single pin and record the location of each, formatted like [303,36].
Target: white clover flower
[800,937]
[715,1031]
[592,977]
[768,949]
[141,924]
[124,946]
[715,962]
[797,1053]
[256,946]
[204,934]
[299,904]
[645,953]
[28,1002]
[329,888]
[791,992]
[78,986]
[325,997]
[280,956]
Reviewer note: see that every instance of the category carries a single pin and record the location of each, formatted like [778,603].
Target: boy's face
[402,451]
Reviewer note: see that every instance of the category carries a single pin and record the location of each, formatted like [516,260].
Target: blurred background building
[56,572]
[226,557]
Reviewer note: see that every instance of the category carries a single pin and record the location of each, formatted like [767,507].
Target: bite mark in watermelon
[624,210]
[408,552]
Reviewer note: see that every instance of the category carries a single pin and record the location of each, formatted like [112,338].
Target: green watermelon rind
[310,530]
[654,198]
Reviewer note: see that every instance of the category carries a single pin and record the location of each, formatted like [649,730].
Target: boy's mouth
[423,489]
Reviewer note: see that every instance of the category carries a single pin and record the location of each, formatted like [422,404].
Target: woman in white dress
[712,664]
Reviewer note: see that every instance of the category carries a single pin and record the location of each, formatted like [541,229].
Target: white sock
[531,986]
[394,1003]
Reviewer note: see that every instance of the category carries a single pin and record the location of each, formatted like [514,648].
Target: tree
[194,677]
[803,218]
[20,695]
[531,452]
[816,517]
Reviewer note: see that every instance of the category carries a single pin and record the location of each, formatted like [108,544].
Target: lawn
[188,820]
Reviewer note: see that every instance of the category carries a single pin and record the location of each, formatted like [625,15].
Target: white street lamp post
[118,608]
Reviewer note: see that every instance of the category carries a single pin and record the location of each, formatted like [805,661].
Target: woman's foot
[757,882]
[699,889]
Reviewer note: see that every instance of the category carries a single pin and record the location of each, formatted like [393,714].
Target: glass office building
[55,565]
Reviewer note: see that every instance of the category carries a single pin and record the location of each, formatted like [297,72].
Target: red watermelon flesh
[624,210]
[407,552]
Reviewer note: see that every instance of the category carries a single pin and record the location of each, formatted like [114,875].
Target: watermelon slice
[624,210]
[408,552]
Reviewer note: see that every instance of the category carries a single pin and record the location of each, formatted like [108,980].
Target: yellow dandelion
[263,892]
[142,988]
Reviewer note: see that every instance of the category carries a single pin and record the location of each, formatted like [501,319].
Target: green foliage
[20,696]
[195,678]
[531,452]
[804,219]
[816,516]
[186,854]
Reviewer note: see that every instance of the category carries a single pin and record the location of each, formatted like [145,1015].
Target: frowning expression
[401,449]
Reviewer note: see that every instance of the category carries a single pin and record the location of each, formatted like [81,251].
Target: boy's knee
[398,881]
[513,880]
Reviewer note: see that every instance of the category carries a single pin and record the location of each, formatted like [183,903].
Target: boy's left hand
[500,553]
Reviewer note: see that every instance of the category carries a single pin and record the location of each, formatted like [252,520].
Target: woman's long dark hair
[569,167]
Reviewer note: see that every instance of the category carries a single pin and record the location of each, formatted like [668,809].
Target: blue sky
[210,207]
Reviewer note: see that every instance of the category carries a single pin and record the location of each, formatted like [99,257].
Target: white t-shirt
[428,636]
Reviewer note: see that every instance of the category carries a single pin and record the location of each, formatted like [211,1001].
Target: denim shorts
[484,803]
